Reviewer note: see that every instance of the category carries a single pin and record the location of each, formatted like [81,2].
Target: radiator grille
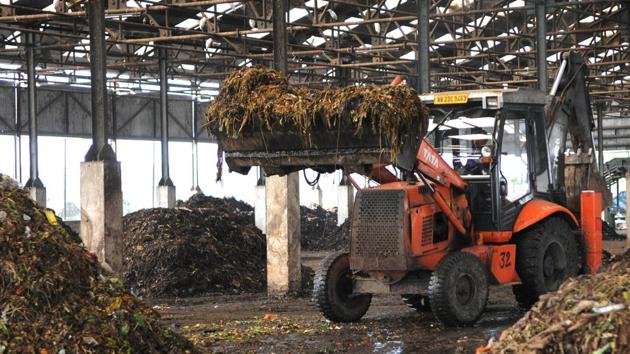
[377,228]
[427,230]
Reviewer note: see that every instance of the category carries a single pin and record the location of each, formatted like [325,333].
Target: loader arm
[570,119]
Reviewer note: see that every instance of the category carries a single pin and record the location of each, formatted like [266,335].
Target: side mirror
[503,187]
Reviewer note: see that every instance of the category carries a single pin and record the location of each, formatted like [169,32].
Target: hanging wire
[314,182]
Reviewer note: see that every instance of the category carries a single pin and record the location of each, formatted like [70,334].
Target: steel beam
[541,45]
[33,181]
[423,69]
[166,179]
[600,136]
[280,38]
[100,149]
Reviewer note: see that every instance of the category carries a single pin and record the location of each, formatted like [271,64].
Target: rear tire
[546,255]
[418,302]
[458,289]
[332,290]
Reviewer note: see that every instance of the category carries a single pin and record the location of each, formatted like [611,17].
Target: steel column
[100,149]
[423,69]
[280,39]
[600,136]
[166,179]
[541,45]
[33,180]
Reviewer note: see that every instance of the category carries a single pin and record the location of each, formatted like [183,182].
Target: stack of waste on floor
[588,314]
[56,298]
[186,252]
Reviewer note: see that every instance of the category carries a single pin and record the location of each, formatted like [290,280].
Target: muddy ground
[253,323]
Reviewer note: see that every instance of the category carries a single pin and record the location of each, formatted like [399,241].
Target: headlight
[486,151]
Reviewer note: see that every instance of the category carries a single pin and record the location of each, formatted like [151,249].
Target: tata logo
[431,158]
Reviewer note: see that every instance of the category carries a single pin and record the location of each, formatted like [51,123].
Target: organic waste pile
[55,298]
[228,205]
[588,314]
[186,252]
[205,245]
[319,230]
[260,98]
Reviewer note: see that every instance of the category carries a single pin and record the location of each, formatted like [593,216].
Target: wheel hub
[464,289]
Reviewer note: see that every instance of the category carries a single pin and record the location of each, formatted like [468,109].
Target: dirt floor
[253,323]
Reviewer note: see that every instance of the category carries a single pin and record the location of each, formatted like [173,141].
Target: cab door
[513,175]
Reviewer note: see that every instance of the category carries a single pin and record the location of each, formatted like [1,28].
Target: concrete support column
[260,205]
[101,194]
[320,196]
[165,189]
[34,185]
[260,209]
[101,211]
[282,195]
[345,200]
[283,235]
[423,63]
[541,45]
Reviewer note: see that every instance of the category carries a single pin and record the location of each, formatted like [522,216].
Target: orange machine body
[439,219]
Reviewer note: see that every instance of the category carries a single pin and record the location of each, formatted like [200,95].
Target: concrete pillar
[320,196]
[166,196]
[283,235]
[345,200]
[37,194]
[101,211]
[260,209]
[101,194]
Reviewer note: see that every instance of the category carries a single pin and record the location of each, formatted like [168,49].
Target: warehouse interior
[104,121]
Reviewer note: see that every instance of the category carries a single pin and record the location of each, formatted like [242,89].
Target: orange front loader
[482,199]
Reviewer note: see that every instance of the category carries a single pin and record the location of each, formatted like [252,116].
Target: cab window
[514,157]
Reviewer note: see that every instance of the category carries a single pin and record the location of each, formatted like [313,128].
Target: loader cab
[495,139]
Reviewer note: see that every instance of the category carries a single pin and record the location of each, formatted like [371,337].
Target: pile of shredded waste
[54,296]
[260,98]
[186,252]
[588,314]
[231,205]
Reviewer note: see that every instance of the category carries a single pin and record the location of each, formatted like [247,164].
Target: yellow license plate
[450,98]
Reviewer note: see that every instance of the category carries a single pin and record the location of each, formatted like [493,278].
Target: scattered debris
[262,98]
[55,298]
[186,252]
[588,314]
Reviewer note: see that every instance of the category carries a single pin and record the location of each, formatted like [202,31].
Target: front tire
[458,289]
[546,255]
[332,290]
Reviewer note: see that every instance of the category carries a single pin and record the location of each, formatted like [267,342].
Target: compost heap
[588,314]
[185,252]
[54,296]
[319,230]
[259,97]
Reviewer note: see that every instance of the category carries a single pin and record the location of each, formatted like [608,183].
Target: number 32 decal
[505,260]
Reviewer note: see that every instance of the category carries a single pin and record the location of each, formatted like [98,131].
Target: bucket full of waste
[260,119]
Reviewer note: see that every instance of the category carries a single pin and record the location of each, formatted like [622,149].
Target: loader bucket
[260,119]
[280,152]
